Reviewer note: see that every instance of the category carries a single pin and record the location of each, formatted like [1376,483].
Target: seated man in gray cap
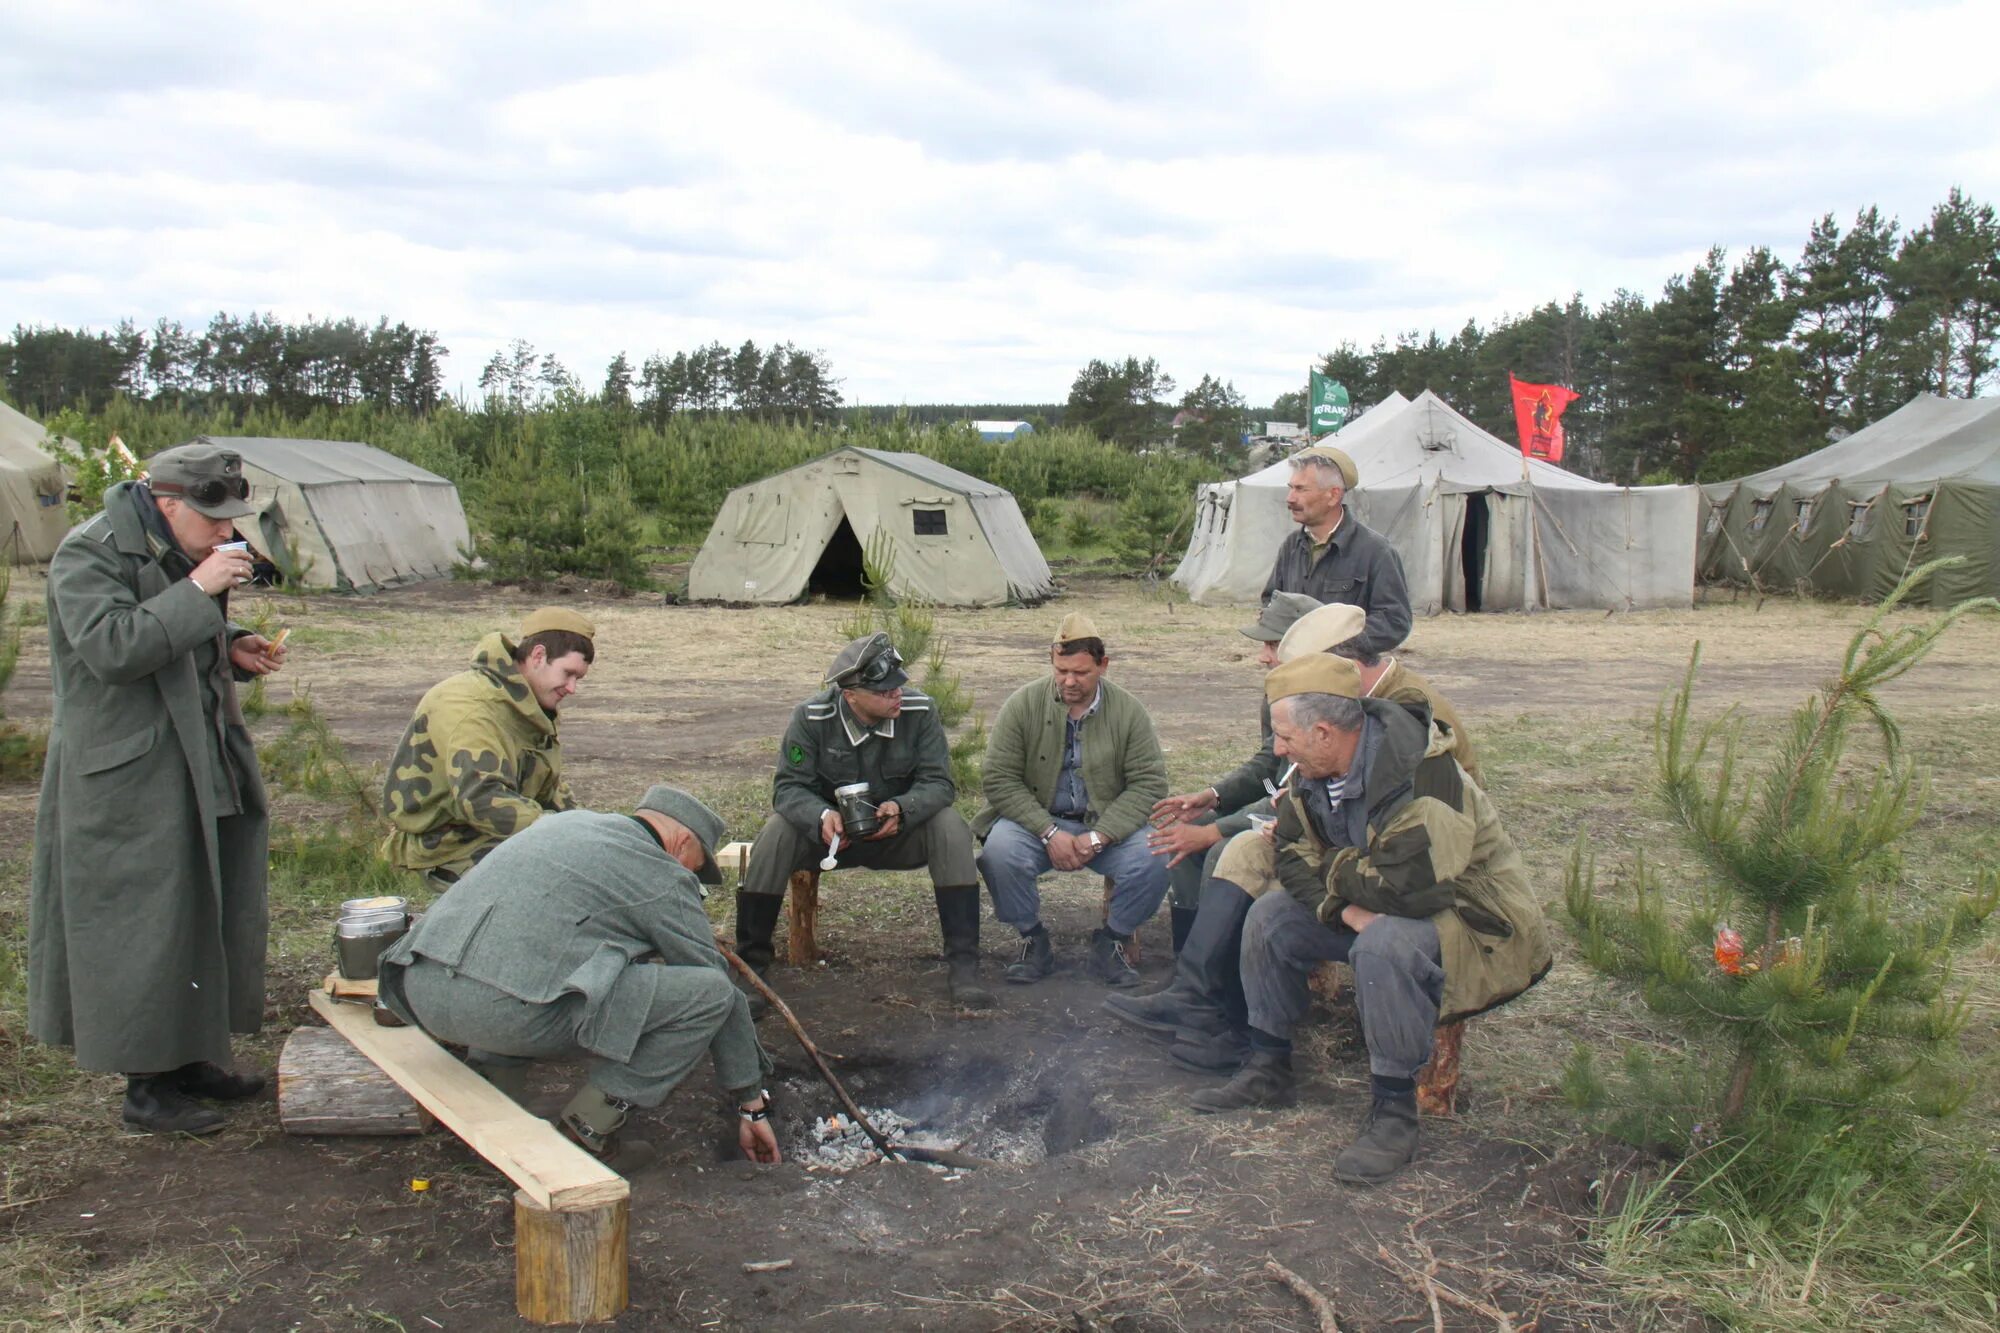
[1073,768]
[147,916]
[1190,830]
[546,950]
[867,727]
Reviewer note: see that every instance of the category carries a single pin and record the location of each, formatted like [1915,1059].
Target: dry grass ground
[1561,707]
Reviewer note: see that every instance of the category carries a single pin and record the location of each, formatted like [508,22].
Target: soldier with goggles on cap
[866,727]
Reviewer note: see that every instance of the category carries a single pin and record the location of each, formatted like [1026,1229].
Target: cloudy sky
[954,202]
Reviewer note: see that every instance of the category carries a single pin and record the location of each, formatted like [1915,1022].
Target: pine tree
[1833,994]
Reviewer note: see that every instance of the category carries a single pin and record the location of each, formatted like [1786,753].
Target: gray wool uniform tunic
[147,920]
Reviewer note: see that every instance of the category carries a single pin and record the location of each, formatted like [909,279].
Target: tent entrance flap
[1472,549]
[839,568]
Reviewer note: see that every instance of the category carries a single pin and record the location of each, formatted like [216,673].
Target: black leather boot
[1037,960]
[1387,1142]
[1210,957]
[1108,963]
[155,1104]
[213,1082]
[958,921]
[1183,923]
[756,919]
[1165,1013]
[1265,1080]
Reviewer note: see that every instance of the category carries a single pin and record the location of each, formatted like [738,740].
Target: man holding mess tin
[147,917]
[867,730]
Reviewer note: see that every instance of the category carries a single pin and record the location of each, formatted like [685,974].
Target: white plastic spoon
[827,862]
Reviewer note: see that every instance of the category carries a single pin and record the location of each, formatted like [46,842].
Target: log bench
[1437,1082]
[802,907]
[571,1212]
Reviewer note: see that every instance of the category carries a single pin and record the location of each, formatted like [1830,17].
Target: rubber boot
[756,919]
[1183,923]
[1108,963]
[155,1104]
[592,1121]
[1037,960]
[1163,1014]
[216,1084]
[1211,955]
[1387,1142]
[1265,1080]
[958,921]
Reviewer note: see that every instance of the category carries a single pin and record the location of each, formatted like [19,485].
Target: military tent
[340,514]
[1474,531]
[1851,519]
[955,540]
[33,517]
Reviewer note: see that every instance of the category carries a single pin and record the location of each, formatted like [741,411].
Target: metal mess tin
[364,930]
[857,812]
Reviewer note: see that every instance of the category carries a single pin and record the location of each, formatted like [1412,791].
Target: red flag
[1538,410]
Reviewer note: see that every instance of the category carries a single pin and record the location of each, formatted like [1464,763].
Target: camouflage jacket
[910,765]
[1434,847]
[479,763]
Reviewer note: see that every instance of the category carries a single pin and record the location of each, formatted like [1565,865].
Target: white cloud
[953,206]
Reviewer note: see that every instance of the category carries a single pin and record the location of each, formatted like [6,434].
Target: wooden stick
[1306,1292]
[768,1266]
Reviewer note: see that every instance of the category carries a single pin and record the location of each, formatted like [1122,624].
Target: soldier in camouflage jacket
[481,760]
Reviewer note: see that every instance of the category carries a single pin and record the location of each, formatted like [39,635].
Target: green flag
[1329,405]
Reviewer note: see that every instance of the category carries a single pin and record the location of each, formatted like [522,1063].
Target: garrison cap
[869,663]
[1280,613]
[555,617]
[699,820]
[1350,476]
[1315,673]
[1076,625]
[207,477]
[1322,630]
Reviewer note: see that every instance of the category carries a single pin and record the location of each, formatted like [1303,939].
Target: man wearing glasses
[147,917]
[865,727]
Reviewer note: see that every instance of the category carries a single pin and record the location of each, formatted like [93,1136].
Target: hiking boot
[1219,1052]
[1265,1080]
[1037,960]
[155,1104]
[1107,959]
[1163,1014]
[958,922]
[213,1082]
[592,1120]
[1387,1142]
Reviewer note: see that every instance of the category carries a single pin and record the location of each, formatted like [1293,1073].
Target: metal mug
[364,931]
[857,813]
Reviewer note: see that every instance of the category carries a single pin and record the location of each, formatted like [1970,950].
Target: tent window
[928,522]
[1916,513]
[1857,517]
[1802,515]
[1760,514]
[1714,519]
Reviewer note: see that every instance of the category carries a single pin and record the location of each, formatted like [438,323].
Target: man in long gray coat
[584,935]
[147,919]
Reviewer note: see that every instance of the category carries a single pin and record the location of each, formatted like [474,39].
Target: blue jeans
[1013,859]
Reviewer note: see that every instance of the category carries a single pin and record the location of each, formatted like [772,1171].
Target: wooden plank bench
[802,907]
[571,1212]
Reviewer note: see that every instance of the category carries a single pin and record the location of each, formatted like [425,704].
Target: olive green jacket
[480,762]
[1124,771]
[1435,849]
[146,918]
[1407,687]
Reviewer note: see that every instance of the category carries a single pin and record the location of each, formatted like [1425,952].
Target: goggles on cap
[879,670]
[208,491]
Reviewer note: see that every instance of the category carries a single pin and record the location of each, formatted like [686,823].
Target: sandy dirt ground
[1117,1208]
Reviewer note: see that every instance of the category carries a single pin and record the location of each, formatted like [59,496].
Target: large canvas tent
[1851,519]
[955,540]
[1474,532]
[340,514]
[33,517]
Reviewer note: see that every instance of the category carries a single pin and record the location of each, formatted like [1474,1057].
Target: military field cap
[869,663]
[699,820]
[1350,476]
[1322,630]
[546,618]
[1315,673]
[1076,625]
[1280,613]
[206,476]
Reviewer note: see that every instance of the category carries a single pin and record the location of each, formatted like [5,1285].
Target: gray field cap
[1280,614]
[207,477]
[701,821]
[869,663]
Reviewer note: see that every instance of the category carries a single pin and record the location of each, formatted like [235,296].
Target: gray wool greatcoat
[147,920]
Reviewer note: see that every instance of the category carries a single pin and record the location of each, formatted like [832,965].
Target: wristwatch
[1096,841]
[763,1112]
